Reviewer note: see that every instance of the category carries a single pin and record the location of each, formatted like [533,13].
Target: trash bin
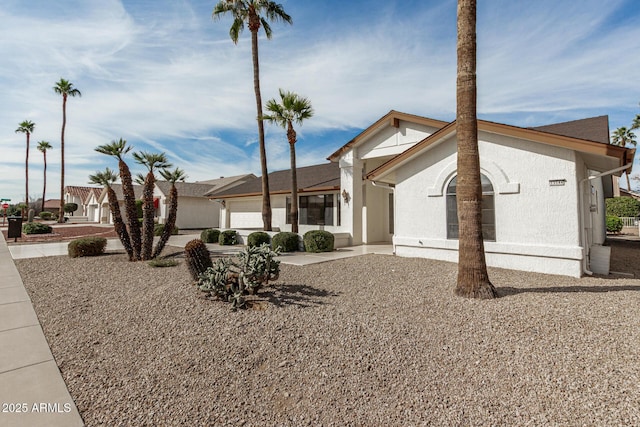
[15,227]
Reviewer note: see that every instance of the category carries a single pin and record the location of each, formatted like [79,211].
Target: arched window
[488,210]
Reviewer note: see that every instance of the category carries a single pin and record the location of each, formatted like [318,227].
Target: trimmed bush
[70,207]
[286,241]
[210,235]
[36,228]
[614,224]
[46,215]
[623,207]
[88,246]
[228,237]
[258,238]
[159,228]
[318,241]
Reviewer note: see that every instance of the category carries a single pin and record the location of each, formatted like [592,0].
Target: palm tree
[172,176]
[153,162]
[473,279]
[66,89]
[623,137]
[636,122]
[255,13]
[43,146]
[293,108]
[119,149]
[27,128]
[107,178]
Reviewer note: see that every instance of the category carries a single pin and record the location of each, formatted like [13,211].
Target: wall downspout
[583,234]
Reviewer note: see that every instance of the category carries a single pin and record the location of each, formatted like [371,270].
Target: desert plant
[198,258]
[228,237]
[171,176]
[158,229]
[258,238]
[614,224]
[210,235]
[36,228]
[318,241]
[46,215]
[286,241]
[30,215]
[88,246]
[231,279]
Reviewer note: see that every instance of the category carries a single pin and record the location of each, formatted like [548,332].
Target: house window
[314,210]
[488,210]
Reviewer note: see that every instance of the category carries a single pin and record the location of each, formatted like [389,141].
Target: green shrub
[159,228]
[163,263]
[46,215]
[210,235]
[36,228]
[614,224]
[286,241]
[318,241]
[258,238]
[70,207]
[87,246]
[228,237]
[623,206]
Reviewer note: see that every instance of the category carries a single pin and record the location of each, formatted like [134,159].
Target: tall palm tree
[66,89]
[27,128]
[153,162]
[292,108]
[119,149]
[106,178]
[636,122]
[255,13]
[172,176]
[43,146]
[473,279]
[623,137]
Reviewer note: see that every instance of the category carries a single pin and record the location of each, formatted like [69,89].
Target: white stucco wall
[197,212]
[537,225]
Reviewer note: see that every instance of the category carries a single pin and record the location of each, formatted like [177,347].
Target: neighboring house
[92,206]
[77,195]
[543,192]
[318,207]
[52,205]
[104,214]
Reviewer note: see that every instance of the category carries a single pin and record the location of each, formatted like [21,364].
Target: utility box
[15,227]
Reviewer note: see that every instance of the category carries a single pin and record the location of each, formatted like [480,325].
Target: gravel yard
[368,341]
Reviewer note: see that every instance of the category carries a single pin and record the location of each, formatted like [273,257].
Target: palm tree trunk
[44,187]
[147,217]
[130,206]
[293,215]
[26,171]
[118,223]
[170,223]
[266,198]
[64,124]
[473,279]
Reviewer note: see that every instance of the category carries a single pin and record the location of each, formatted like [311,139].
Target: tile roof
[117,188]
[81,192]
[223,183]
[311,178]
[185,189]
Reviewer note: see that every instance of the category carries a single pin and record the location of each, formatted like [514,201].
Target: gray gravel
[368,341]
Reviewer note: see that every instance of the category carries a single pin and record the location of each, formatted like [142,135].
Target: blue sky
[166,77]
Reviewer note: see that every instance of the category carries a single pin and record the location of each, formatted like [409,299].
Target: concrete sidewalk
[32,391]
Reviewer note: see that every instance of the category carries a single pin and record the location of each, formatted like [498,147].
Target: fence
[629,221]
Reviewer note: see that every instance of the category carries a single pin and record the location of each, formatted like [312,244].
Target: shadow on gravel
[506,291]
[299,295]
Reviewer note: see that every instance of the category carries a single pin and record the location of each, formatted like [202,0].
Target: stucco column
[351,187]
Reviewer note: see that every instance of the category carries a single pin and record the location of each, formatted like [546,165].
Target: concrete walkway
[32,391]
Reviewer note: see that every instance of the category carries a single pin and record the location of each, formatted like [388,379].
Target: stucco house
[543,192]
[78,195]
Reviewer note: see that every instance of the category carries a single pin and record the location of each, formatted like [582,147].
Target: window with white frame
[488,210]
[315,210]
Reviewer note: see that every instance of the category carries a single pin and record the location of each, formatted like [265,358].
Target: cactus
[198,258]
[31,214]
